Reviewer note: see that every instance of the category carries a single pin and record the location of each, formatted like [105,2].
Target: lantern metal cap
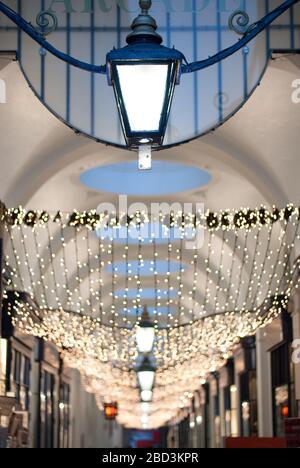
[145,319]
[144,26]
[144,51]
[146,365]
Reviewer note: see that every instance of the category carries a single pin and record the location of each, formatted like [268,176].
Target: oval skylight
[145,293]
[145,268]
[149,233]
[153,311]
[164,178]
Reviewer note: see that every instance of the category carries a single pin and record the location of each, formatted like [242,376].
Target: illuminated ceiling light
[145,333]
[146,375]
[144,75]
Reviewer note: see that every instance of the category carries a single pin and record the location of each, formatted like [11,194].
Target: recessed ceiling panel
[144,268]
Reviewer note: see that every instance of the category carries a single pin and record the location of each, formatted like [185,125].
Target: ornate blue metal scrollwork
[239,22]
[258,27]
[46,22]
[221,100]
[39,38]
[248,34]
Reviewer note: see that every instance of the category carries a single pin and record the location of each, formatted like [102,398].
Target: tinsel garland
[226,219]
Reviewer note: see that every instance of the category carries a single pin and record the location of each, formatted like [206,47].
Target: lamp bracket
[145,157]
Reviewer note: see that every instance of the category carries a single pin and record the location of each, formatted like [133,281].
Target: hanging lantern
[145,333]
[146,396]
[110,411]
[146,375]
[143,75]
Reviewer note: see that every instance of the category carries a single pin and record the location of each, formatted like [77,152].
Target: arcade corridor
[150,236]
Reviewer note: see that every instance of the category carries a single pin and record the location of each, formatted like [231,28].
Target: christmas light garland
[244,218]
[237,282]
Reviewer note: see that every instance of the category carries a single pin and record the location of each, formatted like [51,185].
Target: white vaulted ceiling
[250,158]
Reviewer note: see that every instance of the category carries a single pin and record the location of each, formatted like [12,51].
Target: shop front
[246,387]
[34,391]
[283,378]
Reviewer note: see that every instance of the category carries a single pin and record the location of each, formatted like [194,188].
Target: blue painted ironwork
[93,74]
[39,38]
[239,22]
[249,36]
[68,87]
[220,77]
[45,27]
[46,22]
[250,33]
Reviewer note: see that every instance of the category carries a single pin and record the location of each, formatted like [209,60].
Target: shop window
[217,421]
[47,409]
[207,416]
[281,408]
[64,416]
[184,428]
[3,365]
[248,394]
[26,381]
[21,379]
[227,410]
[200,425]
[234,411]
[283,391]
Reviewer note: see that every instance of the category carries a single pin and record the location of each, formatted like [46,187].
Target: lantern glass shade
[143,89]
[146,395]
[146,379]
[145,338]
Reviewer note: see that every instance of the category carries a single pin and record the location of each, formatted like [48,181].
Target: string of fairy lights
[224,275]
[226,219]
